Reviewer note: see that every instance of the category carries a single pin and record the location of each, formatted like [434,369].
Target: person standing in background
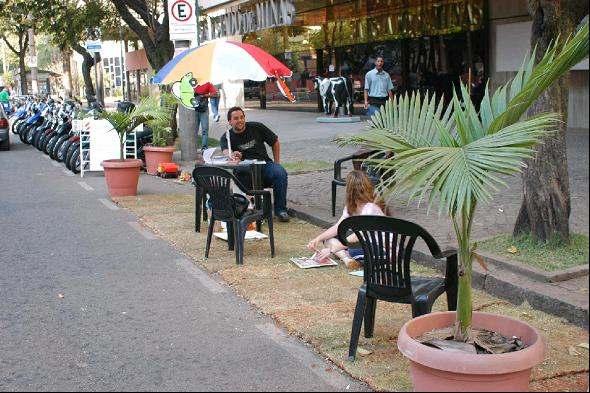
[378,87]
[215,102]
[5,100]
[202,94]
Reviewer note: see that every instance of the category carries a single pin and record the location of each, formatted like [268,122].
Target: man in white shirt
[378,87]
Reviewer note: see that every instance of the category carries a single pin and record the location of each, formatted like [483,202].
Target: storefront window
[426,45]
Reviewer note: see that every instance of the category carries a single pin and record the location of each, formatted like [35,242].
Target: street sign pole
[197,17]
[96,94]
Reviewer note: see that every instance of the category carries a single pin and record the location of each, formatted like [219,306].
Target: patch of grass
[549,256]
[302,166]
[211,142]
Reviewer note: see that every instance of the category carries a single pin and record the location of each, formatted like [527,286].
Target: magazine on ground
[313,261]
[357,273]
[249,235]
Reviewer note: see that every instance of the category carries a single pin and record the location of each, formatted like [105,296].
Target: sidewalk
[302,138]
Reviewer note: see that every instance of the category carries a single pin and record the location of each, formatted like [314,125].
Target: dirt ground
[317,305]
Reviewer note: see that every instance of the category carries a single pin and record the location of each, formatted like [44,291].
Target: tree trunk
[23,44]
[187,123]
[67,70]
[546,206]
[87,64]
[22,72]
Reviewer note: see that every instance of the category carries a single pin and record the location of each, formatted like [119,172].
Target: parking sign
[182,19]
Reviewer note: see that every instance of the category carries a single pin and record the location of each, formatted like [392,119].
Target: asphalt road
[91,301]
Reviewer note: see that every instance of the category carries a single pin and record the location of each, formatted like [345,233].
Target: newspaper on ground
[313,261]
[250,235]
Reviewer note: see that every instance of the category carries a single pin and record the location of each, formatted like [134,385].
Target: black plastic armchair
[225,206]
[387,245]
[338,179]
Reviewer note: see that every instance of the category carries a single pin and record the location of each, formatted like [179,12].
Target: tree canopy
[149,20]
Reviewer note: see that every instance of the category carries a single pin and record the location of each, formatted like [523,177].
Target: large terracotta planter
[156,155]
[432,369]
[121,176]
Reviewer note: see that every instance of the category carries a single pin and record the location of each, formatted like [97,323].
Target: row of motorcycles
[47,125]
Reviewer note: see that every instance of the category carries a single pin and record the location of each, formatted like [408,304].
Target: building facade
[426,45]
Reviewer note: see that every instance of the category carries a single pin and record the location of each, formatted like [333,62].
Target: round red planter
[156,155]
[121,176]
[434,370]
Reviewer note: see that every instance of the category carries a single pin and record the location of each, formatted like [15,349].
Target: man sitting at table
[247,141]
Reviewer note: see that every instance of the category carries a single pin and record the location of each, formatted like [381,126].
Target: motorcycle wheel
[72,149]
[22,134]
[63,150]
[58,144]
[31,134]
[45,138]
[48,148]
[75,162]
[37,139]
[15,126]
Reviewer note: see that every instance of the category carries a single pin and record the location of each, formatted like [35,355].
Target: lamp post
[123,75]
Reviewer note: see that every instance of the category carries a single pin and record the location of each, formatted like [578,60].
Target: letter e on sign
[182,10]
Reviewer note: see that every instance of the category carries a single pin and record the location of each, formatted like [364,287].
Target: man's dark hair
[232,110]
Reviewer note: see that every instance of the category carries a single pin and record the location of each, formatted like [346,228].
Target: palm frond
[455,155]
[413,118]
[458,176]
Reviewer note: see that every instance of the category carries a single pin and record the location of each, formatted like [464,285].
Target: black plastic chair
[387,245]
[338,179]
[216,183]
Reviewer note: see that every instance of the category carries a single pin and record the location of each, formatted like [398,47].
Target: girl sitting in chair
[360,201]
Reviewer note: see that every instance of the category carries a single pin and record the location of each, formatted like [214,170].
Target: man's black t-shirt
[251,142]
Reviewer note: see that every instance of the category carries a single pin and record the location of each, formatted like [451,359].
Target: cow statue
[337,90]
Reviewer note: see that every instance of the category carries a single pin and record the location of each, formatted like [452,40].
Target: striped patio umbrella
[221,60]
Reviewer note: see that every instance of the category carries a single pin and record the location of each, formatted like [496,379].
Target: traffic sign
[93,45]
[182,19]
[182,10]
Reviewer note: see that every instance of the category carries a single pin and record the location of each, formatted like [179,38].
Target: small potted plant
[122,174]
[454,158]
[160,150]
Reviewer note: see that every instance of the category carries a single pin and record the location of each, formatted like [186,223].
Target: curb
[534,273]
[505,287]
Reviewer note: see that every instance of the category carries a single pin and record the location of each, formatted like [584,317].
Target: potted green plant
[122,174]
[160,150]
[454,158]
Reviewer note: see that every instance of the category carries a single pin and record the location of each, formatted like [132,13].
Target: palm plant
[455,157]
[161,130]
[148,109]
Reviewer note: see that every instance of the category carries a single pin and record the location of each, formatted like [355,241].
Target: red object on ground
[155,155]
[168,169]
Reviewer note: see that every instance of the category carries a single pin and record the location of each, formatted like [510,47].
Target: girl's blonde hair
[360,190]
